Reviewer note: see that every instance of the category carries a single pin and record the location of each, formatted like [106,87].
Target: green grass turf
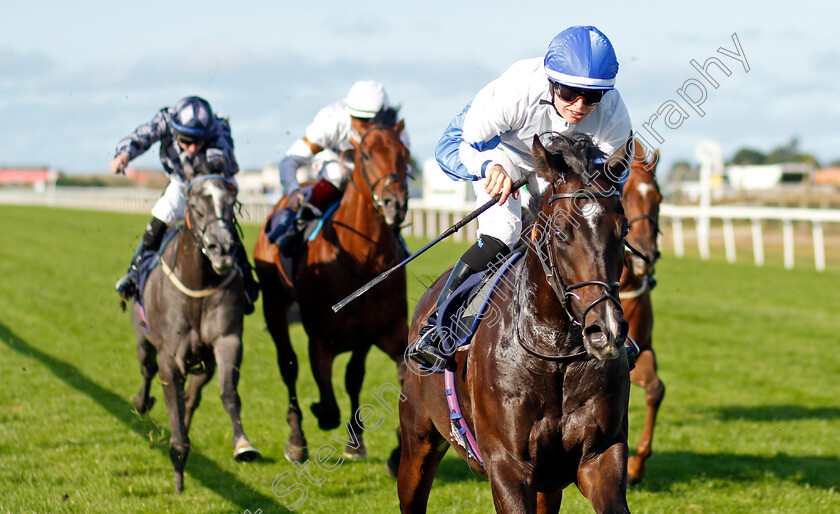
[750,421]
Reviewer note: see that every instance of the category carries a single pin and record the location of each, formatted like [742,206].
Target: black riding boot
[127,286]
[252,287]
[426,349]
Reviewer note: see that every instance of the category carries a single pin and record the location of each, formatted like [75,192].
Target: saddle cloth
[461,313]
[149,260]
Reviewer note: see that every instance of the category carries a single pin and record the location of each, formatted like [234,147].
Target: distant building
[768,176]
[828,176]
[441,191]
[38,178]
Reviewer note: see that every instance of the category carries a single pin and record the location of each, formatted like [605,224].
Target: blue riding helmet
[193,118]
[582,57]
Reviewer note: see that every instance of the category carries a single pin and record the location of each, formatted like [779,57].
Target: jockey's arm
[299,154]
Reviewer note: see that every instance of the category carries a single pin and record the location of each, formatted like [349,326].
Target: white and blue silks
[498,127]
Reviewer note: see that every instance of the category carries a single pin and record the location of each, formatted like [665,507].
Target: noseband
[390,178]
[552,273]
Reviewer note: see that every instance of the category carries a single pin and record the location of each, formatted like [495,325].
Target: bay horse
[641,205]
[358,243]
[190,319]
[544,388]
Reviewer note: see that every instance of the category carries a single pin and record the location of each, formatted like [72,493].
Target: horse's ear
[651,166]
[541,161]
[399,126]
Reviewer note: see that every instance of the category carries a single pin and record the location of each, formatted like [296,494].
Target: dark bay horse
[641,205]
[190,322]
[358,243]
[544,387]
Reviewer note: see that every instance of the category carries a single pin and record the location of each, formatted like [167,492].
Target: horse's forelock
[387,117]
[582,156]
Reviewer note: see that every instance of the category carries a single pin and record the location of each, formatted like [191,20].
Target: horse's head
[579,237]
[381,171]
[211,198]
[641,205]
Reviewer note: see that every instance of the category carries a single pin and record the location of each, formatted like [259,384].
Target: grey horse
[190,320]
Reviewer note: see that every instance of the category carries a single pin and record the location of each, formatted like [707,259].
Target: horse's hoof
[245,452]
[294,453]
[635,470]
[324,422]
[143,408]
[355,453]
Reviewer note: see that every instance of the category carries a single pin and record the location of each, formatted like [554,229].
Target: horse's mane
[584,160]
[387,117]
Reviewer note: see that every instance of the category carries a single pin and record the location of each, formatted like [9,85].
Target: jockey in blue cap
[570,89]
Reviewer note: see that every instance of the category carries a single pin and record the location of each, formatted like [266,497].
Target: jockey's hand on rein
[498,181]
[296,200]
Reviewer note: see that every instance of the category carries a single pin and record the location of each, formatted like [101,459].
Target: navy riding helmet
[581,57]
[193,118]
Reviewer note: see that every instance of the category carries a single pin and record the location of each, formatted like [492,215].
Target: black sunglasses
[571,94]
[186,141]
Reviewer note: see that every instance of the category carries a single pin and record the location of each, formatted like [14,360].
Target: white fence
[428,221]
[817,218]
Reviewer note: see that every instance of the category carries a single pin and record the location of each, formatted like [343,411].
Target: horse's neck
[361,230]
[538,300]
[189,264]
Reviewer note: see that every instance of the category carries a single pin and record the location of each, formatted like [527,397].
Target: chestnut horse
[360,241]
[544,387]
[641,205]
[191,316]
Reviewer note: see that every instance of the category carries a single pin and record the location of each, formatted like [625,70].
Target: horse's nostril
[592,330]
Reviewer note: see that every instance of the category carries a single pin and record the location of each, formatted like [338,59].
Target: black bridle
[552,272]
[651,219]
[390,178]
[229,224]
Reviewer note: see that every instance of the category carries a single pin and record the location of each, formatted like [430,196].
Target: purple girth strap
[455,415]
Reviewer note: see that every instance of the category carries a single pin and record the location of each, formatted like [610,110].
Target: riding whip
[448,232]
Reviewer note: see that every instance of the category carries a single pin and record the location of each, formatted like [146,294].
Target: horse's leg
[173,390]
[147,355]
[276,313]
[422,450]
[197,382]
[321,360]
[353,379]
[603,480]
[228,350]
[549,503]
[513,491]
[394,346]
[644,375]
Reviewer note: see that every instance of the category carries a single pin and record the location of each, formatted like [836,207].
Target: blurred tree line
[788,152]
[784,153]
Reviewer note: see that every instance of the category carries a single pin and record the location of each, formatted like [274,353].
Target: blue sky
[76,79]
